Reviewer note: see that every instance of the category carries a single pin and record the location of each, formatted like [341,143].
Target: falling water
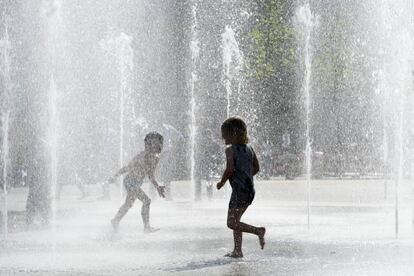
[306,19]
[52,12]
[5,70]
[5,160]
[385,150]
[5,48]
[195,49]
[406,86]
[120,48]
[232,64]
[52,143]
[396,81]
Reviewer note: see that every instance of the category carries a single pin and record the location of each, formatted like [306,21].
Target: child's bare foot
[148,230]
[261,234]
[234,254]
[114,224]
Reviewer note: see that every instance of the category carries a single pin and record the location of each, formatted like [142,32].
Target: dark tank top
[242,180]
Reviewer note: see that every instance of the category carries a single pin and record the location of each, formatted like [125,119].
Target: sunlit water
[232,65]
[5,48]
[306,21]
[194,52]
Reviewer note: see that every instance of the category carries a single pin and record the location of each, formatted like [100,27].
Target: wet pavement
[353,236]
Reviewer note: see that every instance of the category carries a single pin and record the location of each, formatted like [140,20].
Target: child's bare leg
[238,239]
[145,209]
[129,201]
[233,222]
[232,219]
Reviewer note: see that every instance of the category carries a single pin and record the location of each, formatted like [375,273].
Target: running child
[143,164]
[242,165]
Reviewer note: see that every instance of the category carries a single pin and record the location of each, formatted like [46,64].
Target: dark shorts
[131,184]
[241,199]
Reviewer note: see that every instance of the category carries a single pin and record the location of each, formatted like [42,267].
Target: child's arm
[118,174]
[229,171]
[150,172]
[256,166]
[124,169]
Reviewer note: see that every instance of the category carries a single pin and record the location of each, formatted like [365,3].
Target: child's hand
[161,191]
[219,185]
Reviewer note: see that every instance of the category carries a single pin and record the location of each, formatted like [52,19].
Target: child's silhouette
[143,164]
[242,165]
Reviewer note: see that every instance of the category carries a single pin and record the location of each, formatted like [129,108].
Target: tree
[272,68]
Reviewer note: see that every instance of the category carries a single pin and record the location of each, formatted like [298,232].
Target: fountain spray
[194,50]
[306,20]
[232,64]
[5,70]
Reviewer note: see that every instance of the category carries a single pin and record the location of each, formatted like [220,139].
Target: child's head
[234,131]
[153,142]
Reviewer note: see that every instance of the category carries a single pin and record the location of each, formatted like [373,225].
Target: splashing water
[195,50]
[5,70]
[395,81]
[5,160]
[306,19]
[120,48]
[53,144]
[52,14]
[232,64]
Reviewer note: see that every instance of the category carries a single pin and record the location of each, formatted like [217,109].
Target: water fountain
[120,48]
[5,72]
[395,80]
[52,14]
[5,161]
[307,22]
[190,61]
[232,65]
[53,145]
[194,51]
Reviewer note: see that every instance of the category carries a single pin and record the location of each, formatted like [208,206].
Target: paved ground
[352,233]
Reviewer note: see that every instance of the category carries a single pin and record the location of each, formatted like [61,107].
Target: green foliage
[273,40]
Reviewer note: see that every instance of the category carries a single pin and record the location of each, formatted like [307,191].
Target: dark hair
[235,130]
[153,138]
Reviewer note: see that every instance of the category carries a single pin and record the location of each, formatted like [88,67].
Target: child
[143,164]
[242,165]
